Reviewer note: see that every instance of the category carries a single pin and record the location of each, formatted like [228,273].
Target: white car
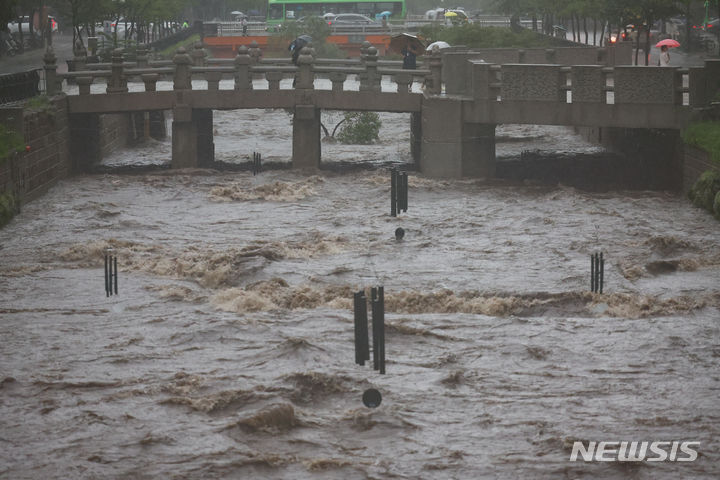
[14,26]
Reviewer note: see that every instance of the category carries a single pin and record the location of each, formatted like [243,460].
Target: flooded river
[228,352]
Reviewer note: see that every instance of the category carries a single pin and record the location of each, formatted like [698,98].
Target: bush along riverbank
[8,207]
[10,143]
[705,193]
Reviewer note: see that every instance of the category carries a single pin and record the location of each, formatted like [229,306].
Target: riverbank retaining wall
[28,174]
[56,146]
[654,155]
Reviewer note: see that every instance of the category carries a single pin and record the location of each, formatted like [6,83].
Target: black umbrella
[297,45]
[299,42]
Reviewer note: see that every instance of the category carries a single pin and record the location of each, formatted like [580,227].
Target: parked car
[352,19]
[14,26]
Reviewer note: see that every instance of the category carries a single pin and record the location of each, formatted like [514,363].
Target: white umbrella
[237,12]
[439,44]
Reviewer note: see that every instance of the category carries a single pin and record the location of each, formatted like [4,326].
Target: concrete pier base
[84,142]
[478,150]
[184,138]
[306,152]
[452,147]
[203,120]
[416,136]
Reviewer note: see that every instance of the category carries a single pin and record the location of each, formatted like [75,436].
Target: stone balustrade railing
[245,67]
[577,84]
[582,84]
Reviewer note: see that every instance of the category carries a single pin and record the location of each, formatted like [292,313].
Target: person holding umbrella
[665,46]
[297,45]
[409,46]
[664,56]
[409,58]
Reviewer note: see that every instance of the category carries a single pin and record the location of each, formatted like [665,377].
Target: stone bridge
[455,102]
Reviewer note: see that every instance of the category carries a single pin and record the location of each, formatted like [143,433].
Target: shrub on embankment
[10,143]
[706,191]
[476,36]
[8,207]
[704,135]
[169,52]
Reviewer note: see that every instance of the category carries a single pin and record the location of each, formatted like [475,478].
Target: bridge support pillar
[416,136]
[184,138]
[85,144]
[452,147]
[203,120]
[306,137]
[478,150]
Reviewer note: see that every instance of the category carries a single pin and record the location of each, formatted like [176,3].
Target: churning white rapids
[228,351]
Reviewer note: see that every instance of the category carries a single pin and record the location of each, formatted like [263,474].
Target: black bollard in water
[362,347]
[256,163]
[111,275]
[393,192]
[398,192]
[371,398]
[399,233]
[378,327]
[597,272]
[403,193]
[362,342]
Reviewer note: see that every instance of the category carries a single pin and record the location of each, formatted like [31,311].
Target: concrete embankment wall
[653,157]
[58,146]
[30,173]
[666,161]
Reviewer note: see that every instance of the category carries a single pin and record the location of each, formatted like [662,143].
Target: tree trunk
[587,37]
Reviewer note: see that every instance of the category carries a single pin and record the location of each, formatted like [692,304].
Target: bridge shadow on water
[594,172]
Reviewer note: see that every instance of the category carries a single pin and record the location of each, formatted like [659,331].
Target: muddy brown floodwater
[228,352]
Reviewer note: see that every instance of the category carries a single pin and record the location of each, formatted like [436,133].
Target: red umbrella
[668,42]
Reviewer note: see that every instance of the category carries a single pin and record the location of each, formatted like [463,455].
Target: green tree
[360,128]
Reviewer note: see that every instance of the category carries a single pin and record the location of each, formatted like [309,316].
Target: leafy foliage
[360,128]
[704,193]
[10,141]
[316,27]
[476,36]
[704,135]
[8,207]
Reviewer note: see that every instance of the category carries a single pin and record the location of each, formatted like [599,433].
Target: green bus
[280,10]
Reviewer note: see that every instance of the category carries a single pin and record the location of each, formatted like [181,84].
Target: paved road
[31,59]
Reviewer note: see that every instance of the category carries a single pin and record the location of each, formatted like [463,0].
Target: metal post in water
[375,349]
[107,285]
[602,272]
[360,310]
[404,194]
[116,275]
[592,273]
[381,329]
[393,192]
